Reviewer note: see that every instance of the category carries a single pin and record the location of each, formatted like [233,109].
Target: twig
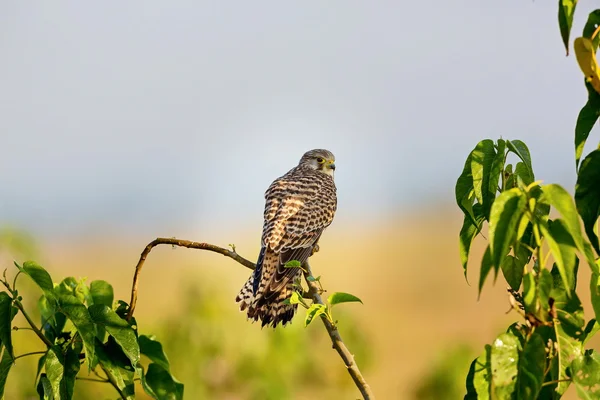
[43,337]
[314,291]
[336,339]
[595,33]
[23,328]
[113,382]
[15,280]
[27,317]
[181,243]
[30,354]
[556,381]
[82,378]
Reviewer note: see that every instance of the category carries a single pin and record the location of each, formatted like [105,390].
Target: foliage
[84,333]
[539,255]
[264,363]
[314,309]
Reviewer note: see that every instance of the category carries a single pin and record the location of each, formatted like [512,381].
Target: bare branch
[336,339]
[181,243]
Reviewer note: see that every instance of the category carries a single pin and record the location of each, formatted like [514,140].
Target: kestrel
[299,206]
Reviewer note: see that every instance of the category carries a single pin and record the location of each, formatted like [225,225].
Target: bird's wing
[296,213]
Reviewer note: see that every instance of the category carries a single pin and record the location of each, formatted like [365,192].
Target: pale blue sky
[145,116]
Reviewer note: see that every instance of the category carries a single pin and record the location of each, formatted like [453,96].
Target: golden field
[421,323]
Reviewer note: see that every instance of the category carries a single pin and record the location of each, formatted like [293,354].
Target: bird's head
[319,160]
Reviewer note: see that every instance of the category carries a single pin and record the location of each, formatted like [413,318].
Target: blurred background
[122,122]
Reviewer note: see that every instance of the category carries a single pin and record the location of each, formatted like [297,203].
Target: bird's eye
[320,160]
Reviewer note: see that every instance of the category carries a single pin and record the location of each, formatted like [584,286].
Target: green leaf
[527,240]
[78,314]
[53,321]
[531,368]
[464,192]
[520,149]
[40,366]
[562,248]
[6,317]
[569,330]
[504,365]
[40,276]
[588,116]
[585,371]
[544,289]
[61,370]
[292,264]
[142,374]
[467,234]
[102,293]
[118,328]
[587,195]
[595,294]
[512,269]
[560,199]
[524,174]
[504,218]
[295,298]
[152,348]
[482,158]
[74,287]
[590,27]
[536,294]
[591,329]
[163,384]
[530,294]
[566,9]
[497,166]
[341,297]
[314,311]
[486,266]
[115,366]
[479,379]
[5,366]
[44,388]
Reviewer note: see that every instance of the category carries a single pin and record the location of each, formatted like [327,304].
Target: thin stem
[503,172]
[19,328]
[314,290]
[538,243]
[30,354]
[113,382]
[15,280]
[556,381]
[595,33]
[98,375]
[336,340]
[19,305]
[5,283]
[32,324]
[81,378]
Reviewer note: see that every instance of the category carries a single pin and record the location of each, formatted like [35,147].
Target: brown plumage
[299,206]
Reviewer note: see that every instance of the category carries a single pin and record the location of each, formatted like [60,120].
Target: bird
[298,207]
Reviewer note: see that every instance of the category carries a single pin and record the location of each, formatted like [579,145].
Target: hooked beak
[331,165]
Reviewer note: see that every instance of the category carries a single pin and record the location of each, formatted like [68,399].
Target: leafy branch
[540,356]
[98,336]
[313,293]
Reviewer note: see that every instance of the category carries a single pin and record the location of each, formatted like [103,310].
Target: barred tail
[270,309]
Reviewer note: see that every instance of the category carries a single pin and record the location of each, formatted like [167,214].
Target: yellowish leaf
[586,58]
